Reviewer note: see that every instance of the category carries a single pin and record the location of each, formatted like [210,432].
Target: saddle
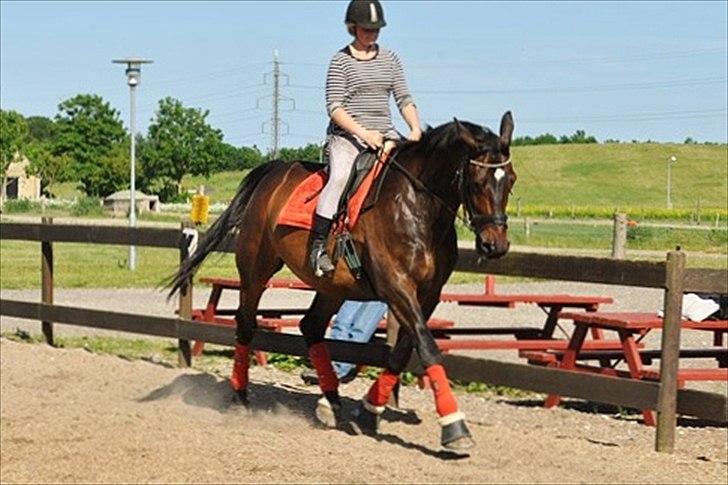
[301,205]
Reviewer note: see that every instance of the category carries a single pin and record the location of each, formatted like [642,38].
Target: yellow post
[200,206]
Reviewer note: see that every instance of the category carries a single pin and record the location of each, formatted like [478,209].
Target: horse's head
[486,179]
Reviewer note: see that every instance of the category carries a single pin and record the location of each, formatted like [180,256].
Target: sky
[618,70]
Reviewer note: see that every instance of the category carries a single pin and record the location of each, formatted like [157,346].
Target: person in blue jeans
[356,321]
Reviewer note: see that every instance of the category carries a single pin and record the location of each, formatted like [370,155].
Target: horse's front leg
[313,327]
[455,433]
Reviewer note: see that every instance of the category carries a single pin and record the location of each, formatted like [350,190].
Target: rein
[474,222]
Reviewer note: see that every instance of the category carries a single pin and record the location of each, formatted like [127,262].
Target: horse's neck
[438,174]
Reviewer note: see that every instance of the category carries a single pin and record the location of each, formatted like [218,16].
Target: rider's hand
[415,135]
[373,138]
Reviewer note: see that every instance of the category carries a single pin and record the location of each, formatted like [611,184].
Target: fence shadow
[615,412]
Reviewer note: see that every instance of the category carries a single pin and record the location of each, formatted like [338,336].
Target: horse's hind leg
[366,417]
[254,272]
[313,327]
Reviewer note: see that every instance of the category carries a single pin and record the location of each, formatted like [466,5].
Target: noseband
[476,222]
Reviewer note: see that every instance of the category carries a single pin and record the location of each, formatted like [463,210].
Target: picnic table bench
[631,328]
[526,338]
[444,331]
[271,319]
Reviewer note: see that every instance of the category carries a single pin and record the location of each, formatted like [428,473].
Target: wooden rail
[621,392]
[670,275]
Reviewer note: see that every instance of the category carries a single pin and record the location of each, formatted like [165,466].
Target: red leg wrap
[382,388]
[321,361]
[239,379]
[444,400]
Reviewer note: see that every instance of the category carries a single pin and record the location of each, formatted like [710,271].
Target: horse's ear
[506,129]
[459,126]
[464,133]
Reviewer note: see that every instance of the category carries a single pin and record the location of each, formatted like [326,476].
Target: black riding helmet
[365,13]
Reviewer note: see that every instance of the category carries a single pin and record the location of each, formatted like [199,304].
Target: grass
[105,266]
[595,175]
[621,175]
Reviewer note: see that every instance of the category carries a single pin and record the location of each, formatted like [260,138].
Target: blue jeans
[356,321]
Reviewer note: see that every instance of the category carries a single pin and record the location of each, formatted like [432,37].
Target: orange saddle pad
[301,205]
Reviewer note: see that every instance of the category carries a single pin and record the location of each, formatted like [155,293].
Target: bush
[18,206]
[87,206]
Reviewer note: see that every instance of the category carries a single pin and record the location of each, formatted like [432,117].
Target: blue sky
[620,70]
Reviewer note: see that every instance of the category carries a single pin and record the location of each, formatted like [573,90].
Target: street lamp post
[133,78]
[672,159]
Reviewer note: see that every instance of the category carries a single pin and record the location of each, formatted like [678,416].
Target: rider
[360,79]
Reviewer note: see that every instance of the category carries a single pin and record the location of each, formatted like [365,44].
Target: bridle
[474,221]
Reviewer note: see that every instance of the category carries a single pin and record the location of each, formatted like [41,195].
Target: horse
[407,244]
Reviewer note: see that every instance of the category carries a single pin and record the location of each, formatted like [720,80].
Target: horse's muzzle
[492,247]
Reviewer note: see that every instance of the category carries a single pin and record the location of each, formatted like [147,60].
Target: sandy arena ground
[73,416]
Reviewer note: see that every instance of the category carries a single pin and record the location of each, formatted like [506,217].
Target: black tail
[227,221]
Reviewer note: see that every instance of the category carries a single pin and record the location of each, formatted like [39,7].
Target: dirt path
[73,416]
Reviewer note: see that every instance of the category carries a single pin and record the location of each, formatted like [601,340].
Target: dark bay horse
[408,248]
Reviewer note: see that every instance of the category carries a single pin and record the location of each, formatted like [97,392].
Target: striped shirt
[362,88]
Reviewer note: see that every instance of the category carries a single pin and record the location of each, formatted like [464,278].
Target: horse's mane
[441,137]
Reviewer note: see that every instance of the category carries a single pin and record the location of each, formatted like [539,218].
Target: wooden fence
[670,275]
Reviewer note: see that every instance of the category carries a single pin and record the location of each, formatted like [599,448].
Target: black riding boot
[317,256]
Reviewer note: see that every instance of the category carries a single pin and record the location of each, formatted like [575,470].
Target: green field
[621,175]
[598,175]
[601,175]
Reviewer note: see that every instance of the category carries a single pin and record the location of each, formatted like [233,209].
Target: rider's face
[366,37]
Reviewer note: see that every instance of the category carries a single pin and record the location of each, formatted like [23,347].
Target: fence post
[619,236]
[670,360]
[184,353]
[526,227]
[46,264]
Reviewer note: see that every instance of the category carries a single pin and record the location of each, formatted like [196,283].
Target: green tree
[88,129]
[309,153]
[40,128]
[47,166]
[13,139]
[238,158]
[180,142]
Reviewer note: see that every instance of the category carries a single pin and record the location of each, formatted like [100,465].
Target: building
[20,185]
[119,202]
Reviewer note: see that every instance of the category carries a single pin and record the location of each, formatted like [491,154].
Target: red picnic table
[631,328]
[526,338]
[271,319]
[444,331]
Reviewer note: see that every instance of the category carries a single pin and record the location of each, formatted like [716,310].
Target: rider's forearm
[409,113]
[344,120]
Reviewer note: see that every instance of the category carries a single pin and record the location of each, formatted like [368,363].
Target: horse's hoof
[365,421]
[456,436]
[329,415]
[241,397]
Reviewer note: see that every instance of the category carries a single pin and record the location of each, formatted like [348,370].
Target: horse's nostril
[486,247]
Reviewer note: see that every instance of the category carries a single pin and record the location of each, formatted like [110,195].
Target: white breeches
[342,154]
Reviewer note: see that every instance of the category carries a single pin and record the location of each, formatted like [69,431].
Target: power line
[646,116]
[209,75]
[558,89]
[219,95]
[585,89]
[642,57]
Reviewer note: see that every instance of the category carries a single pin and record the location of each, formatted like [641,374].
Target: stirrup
[320,261]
